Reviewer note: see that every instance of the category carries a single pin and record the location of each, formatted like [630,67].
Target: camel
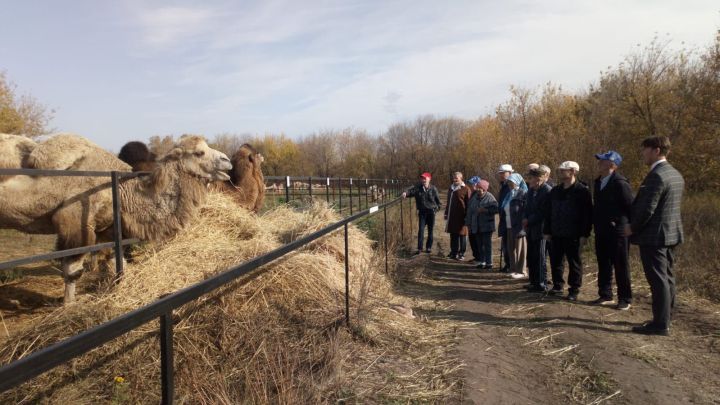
[14,151]
[246,183]
[79,209]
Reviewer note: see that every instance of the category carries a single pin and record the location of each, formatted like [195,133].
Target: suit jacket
[613,205]
[535,211]
[656,219]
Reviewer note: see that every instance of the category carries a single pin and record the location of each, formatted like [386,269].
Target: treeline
[653,91]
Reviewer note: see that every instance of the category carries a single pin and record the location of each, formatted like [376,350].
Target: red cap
[426,175]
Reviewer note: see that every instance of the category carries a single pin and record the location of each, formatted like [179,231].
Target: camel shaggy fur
[14,151]
[79,209]
[247,183]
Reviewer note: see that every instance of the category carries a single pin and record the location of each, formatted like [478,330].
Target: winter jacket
[426,199]
[535,211]
[517,213]
[568,213]
[480,222]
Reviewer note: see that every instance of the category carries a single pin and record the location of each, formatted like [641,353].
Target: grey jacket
[481,222]
[655,219]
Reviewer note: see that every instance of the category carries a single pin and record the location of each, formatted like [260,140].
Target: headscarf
[484,185]
[518,180]
[474,180]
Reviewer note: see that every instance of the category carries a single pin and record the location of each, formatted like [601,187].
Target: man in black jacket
[427,202]
[533,223]
[611,213]
[568,222]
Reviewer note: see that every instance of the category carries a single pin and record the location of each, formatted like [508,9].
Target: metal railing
[59,353]
[347,193]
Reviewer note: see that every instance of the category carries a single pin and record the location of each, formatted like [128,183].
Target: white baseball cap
[569,164]
[505,168]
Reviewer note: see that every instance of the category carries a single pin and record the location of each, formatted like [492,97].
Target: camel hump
[68,151]
[14,150]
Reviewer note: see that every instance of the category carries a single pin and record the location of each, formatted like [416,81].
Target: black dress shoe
[651,329]
[556,291]
[427,250]
[571,297]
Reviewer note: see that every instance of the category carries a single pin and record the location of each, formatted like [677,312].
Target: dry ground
[529,348]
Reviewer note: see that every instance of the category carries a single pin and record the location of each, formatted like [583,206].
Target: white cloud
[167,25]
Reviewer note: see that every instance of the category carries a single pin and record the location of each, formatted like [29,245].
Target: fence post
[327,189]
[310,188]
[402,224]
[117,225]
[367,202]
[385,238]
[351,198]
[339,182]
[166,358]
[287,189]
[347,279]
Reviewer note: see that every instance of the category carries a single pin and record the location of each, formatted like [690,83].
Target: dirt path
[530,348]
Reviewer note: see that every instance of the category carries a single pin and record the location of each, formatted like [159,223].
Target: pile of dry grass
[277,338]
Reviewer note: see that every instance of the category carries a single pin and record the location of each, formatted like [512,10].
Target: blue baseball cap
[610,155]
[474,180]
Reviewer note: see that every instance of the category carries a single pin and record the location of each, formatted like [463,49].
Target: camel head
[246,161]
[198,159]
[137,155]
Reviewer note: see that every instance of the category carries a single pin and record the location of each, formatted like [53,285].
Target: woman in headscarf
[514,207]
[480,220]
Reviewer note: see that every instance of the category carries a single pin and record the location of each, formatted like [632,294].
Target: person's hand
[628,230]
[403,195]
[547,237]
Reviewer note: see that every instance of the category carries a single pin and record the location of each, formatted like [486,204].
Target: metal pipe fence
[59,353]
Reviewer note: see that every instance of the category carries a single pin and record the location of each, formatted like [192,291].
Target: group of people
[539,219]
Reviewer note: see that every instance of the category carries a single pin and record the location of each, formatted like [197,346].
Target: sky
[127,70]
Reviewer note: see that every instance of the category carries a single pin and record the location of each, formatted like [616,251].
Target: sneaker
[650,328]
[518,276]
[623,306]
[427,250]
[488,266]
[478,263]
[556,291]
[416,253]
[571,297]
[602,301]
[461,257]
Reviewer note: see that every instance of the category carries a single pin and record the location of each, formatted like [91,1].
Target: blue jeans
[425,217]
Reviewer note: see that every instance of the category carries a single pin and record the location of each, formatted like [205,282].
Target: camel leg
[72,270]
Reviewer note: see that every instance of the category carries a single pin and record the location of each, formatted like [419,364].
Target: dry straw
[276,338]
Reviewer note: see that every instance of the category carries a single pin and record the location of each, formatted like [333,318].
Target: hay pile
[276,338]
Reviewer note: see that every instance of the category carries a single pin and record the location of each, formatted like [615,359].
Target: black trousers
[536,261]
[474,239]
[458,244]
[481,244]
[503,249]
[566,248]
[425,218]
[612,250]
[658,264]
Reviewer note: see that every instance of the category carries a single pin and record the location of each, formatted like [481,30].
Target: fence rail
[59,353]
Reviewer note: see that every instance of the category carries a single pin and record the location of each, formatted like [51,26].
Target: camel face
[199,159]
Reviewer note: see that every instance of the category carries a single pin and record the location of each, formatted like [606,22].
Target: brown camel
[79,209]
[246,184]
